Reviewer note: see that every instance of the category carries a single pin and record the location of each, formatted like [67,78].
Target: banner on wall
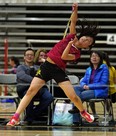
[111,39]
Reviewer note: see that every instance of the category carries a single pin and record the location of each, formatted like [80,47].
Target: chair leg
[105,113]
[48,118]
[110,111]
[87,105]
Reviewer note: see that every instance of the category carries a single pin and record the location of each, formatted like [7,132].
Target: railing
[43,25]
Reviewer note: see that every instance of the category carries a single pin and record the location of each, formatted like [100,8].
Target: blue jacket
[100,81]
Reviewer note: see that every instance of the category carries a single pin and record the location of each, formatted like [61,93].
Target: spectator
[112,82]
[112,77]
[40,56]
[95,82]
[13,62]
[25,74]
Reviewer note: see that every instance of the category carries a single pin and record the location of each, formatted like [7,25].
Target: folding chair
[103,101]
[9,81]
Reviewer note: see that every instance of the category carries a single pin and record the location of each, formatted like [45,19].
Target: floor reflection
[57,131]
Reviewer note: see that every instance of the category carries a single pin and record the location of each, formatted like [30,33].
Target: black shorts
[50,71]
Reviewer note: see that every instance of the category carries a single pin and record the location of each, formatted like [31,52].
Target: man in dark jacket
[25,74]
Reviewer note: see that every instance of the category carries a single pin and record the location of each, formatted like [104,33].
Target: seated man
[95,82]
[25,74]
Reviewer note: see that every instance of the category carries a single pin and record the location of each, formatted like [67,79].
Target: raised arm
[74,18]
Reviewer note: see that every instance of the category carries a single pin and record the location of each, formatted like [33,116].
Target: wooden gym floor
[57,131]
[43,130]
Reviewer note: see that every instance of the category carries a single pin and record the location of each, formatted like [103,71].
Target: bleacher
[45,23]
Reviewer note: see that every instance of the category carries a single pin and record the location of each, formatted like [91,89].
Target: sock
[16,115]
[82,111]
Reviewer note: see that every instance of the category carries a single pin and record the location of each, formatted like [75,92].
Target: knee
[49,97]
[31,91]
[45,95]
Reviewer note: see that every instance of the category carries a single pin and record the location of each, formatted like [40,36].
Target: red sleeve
[70,36]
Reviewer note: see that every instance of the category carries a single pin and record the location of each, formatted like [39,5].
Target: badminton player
[68,49]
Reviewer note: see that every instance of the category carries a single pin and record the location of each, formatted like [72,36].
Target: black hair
[99,53]
[106,58]
[88,28]
[29,49]
[15,59]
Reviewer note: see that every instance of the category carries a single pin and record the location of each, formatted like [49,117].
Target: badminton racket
[67,26]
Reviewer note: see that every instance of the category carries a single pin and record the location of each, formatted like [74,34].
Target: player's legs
[36,84]
[69,91]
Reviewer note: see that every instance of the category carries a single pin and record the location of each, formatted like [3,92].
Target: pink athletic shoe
[14,121]
[87,116]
